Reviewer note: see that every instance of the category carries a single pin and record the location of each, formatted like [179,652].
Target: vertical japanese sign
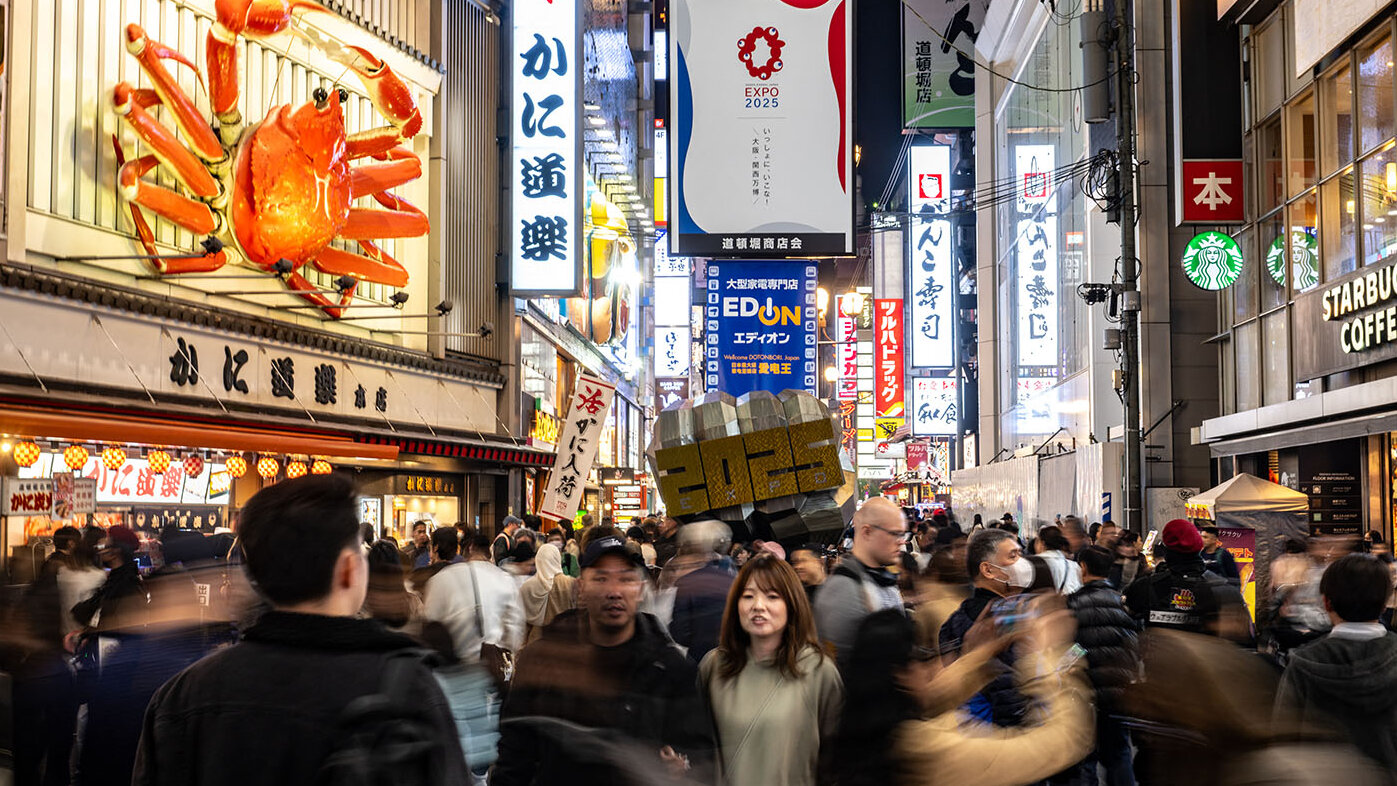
[935,410]
[577,447]
[889,399]
[760,323]
[938,74]
[545,165]
[847,350]
[761,149]
[672,347]
[931,263]
[1036,255]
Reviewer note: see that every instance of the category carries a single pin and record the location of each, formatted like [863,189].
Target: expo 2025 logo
[747,45]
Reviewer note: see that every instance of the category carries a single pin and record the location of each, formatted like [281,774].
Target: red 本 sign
[1212,191]
[887,368]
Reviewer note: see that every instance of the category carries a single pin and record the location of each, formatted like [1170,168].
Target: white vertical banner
[931,263]
[934,407]
[1036,255]
[545,165]
[577,447]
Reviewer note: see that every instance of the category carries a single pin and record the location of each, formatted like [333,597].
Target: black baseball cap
[609,545]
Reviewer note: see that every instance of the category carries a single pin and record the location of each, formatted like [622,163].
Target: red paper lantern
[27,453]
[193,466]
[295,469]
[75,457]
[320,467]
[158,461]
[268,467]
[236,466]
[113,458]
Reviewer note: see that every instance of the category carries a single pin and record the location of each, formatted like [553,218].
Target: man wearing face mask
[997,570]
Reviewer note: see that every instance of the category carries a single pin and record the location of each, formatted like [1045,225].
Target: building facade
[1304,337]
[365,357]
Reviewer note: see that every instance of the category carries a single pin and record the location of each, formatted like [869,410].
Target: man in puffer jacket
[1110,636]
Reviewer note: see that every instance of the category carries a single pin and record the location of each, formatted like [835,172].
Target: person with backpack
[1182,594]
[503,544]
[311,694]
[862,583]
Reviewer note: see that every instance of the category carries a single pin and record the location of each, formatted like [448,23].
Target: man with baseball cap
[1181,594]
[609,673]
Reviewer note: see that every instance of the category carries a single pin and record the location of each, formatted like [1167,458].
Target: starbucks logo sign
[1212,260]
[1304,256]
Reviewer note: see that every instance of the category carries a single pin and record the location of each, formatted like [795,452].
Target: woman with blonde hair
[775,697]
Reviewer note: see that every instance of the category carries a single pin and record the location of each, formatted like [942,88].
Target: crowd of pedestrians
[922,652]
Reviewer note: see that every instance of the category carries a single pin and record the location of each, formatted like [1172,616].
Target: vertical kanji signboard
[938,73]
[889,397]
[545,166]
[931,279]
[577,447]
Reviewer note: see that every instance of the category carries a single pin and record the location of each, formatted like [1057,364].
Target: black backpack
[384,739]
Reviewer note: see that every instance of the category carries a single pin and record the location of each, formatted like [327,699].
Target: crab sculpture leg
[188,160]
[400,219]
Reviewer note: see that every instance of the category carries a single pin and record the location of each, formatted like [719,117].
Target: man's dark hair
[533,522]
[981,548]
[1052,538]
[292,535]
[419,523]
[1357,587]
[1093,531]
[66,537]
[445,542]
[1096,560]
[479,544]
[1210,530]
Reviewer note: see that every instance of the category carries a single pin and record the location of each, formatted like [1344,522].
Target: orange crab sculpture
[281,189]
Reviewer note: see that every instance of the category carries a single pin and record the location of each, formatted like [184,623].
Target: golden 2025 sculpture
[767,464]
[282,188]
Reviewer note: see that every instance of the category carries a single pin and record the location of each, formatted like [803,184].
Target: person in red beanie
[1182,594]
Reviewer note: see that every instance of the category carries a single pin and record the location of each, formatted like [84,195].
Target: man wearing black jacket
[1110,636]
[268,709]
[607,687]
[1182,594]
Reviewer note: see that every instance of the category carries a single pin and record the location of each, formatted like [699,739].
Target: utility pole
[1130,267]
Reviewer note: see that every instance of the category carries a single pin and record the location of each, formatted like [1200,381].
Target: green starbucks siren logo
[1212,260]
[1304,256]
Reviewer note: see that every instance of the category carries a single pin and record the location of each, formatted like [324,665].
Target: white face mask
[1019,574]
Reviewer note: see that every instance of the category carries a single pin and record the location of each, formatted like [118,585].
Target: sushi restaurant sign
[1347,323]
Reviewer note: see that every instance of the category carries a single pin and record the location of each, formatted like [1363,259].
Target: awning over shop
[1246,494]
[82,426]
[472,450]
[1315,434]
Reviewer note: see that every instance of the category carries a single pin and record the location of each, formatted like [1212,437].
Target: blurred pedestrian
[444,548]
[1129,564]
[701,594]
[420,554]
[388,598]
[668,543]
[504,540]
[900,723]
[1110,636]
[862,583]
[939,593]
[1349,677]
[997,570]
[1181,594]
[1067,574]
[611,669]
[810,567]
[547,593]
[1218,559]
[775,697]
[291,678]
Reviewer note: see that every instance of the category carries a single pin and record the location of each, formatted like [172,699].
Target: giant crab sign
[281,189]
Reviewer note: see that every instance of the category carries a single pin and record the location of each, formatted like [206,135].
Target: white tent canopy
[1247,494]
